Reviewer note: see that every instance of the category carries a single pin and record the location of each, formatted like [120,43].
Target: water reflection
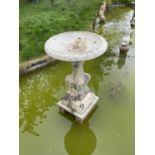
[80,139]
[101,69]
[121,59]
[38,94]
[112,32]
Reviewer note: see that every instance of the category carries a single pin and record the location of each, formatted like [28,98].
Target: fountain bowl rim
[81,56]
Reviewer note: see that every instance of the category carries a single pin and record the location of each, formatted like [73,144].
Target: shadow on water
[80,139]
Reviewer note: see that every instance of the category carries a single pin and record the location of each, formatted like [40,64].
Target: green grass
[41,20]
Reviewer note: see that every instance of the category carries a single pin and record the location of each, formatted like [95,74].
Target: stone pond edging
[36,63]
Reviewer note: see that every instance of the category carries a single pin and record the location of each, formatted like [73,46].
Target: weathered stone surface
[80,108]
[77,47]
[62,46]
[35,64]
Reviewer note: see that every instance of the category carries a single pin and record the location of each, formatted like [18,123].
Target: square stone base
[89,102]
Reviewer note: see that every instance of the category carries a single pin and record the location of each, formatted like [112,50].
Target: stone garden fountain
[77,47]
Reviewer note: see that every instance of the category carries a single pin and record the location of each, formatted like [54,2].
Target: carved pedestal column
[77,81]
[79,100]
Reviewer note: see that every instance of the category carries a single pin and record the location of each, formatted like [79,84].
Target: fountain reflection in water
[82,136]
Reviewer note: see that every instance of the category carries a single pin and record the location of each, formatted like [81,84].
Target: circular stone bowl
[75,46]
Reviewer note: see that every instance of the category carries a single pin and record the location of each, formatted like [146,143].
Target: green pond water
[109,130]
